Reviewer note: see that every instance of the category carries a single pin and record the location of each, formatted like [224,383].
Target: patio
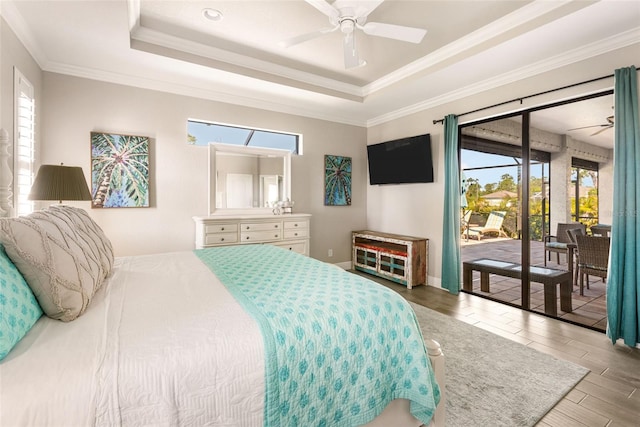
[589,310]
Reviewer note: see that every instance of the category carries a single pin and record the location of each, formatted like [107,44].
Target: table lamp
[59,182]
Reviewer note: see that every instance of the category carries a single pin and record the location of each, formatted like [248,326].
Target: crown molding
[508,22]
[17,24]
[247,65]
[600,47]
[200,92]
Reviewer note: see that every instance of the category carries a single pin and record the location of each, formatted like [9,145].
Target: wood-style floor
[608,396]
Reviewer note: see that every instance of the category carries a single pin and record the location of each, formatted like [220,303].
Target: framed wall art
[337,180]
[119,171]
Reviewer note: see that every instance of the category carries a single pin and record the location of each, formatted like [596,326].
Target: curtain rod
[522,98]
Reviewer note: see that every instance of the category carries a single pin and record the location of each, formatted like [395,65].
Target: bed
[246,335]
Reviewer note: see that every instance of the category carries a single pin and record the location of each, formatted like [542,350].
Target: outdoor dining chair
[558,243]
[593,258]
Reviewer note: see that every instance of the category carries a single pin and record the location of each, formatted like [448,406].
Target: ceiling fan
[603,126]
[349,15]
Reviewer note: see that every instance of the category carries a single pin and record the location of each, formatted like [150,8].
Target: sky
[208,132]
[473,159]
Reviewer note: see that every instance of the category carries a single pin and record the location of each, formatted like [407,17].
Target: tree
[507,183]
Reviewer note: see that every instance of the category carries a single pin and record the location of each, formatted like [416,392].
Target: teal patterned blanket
[338,347]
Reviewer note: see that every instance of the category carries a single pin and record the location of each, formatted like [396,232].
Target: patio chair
[573,232]
[464,223]
[558,243]
[493,225]
[601,230]
[593,258]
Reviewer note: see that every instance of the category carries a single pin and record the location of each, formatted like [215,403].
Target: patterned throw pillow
[19,309]
[62,266]
[91,232]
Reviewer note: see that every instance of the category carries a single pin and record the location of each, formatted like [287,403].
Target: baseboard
[344,265]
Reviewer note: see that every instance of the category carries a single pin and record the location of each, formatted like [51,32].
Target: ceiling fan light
[347,26]
[212,14]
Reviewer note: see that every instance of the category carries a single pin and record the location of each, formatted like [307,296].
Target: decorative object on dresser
[119,171]
[289,231]
[402,259]
[337,180]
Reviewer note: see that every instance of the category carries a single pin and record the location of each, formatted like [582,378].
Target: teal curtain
[623,283]
[451,221]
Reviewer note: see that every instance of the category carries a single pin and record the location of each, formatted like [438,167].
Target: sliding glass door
[545,169]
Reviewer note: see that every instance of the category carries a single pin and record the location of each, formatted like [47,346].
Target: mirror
[246,179]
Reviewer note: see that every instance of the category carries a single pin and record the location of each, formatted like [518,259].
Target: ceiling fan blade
[351,59]
[397,32]
[325,8]
[601,130]
[589,127]
[307,36]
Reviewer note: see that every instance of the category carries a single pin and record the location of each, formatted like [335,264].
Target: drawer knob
[295,225]
[295,234]
[222,240]
[247,237]
[276,225]
[221,228]
[247,227]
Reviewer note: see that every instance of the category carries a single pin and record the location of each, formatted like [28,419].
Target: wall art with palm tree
[119,171]
[337,180]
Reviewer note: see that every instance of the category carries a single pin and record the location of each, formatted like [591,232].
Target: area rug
[492,381]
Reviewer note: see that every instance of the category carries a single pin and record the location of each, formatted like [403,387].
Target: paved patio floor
[589,310]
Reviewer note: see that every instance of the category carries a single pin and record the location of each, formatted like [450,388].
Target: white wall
[416,209]
[14,55]
[74,107]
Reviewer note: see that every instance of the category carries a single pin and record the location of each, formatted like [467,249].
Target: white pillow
[62,266]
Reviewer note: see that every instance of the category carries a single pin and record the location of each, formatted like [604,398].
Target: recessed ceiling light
[212,14]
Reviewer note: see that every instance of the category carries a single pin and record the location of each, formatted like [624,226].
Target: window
[24,143]
[202,133]
[583,193]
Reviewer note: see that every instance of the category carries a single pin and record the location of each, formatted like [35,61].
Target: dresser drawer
[298,247]
[221,228]
[295,225]
[260,226]
[260,236]
[295,234]
[221,238]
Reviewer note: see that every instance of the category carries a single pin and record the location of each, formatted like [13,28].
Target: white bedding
[212,354]
[105,368]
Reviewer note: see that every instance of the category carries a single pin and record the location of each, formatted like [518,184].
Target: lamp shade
[58,182]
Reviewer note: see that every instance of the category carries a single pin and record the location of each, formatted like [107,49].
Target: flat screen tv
[402,161]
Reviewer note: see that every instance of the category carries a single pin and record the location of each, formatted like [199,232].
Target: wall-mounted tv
[401,161]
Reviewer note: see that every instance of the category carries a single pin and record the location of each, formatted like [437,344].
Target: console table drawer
[260,226]
[221,228]
[260,236]
[221,238]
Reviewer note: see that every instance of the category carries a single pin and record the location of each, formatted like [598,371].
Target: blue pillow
[19,309]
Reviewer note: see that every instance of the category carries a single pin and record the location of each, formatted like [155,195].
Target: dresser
[290,231]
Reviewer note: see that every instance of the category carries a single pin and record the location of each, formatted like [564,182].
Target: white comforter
[153,340]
